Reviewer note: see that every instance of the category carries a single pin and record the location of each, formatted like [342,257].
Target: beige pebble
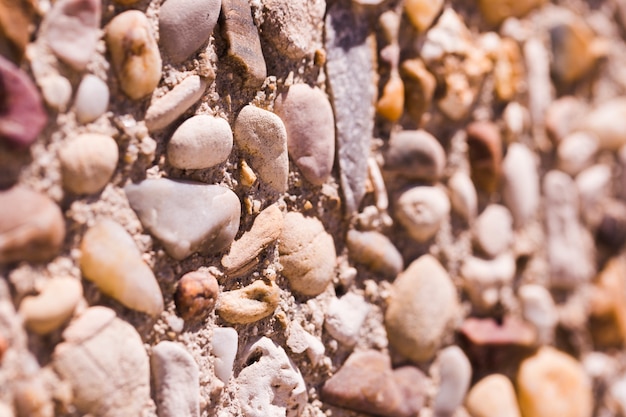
[201,142]
[538,308]
[608,123]
[421,309]
[391,102]
[463,195]
[551,383]
[421,210]
[563,116]
[55,304]
[376,251]
[416,154]
[165,110]
[492,396]
[576,152]
[508,70]
[422,13]
[56,91]
[455,373]
[307,253]
[521,184]
[111,260]
[493,230]
[88,162]
[92,98]
[249,304]
[134,53]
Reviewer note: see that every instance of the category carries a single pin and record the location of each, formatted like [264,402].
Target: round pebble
[196,295]
[576,152]
[416,154]
[165,110]
[92,99]
[249,304]
[376,251]
[56,91]
[492,396]
[421,210]
[493,230]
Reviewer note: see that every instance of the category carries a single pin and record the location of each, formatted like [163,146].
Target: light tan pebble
[263,135]
[32,398]
[421,210]
[389,22]
[246,174]
[575,50]
[267,227]
[416,154]
[608,304]
[485,279]
[104,359]
[576,152]
[492,396]
[134,53]
[224,345]
[196,295]
[56,91]
[376,251]
[421,309]
[608,123]
[516,121]
[508,70]
[299,341]
[422,13]
[92,99]
[538,308]
[493,230]
[455,373]
[390,105]
[463,196]
[594,190]
[201,142]
[88,162]
[563,116]
[111,260]
[495,12]
[419,88]
[248,304]
[307,254]
[345,317]
[55,304]
[521,184]
[165,110]
[551,383]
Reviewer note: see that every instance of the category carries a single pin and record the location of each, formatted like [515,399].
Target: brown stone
[391,103]
[419,88]
[196,295]
[15,19]
[508,70]
[496,11]
[485,154]
[608,304]
[487,331]
[575,50]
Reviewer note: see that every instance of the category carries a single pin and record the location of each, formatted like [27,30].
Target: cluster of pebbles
[314,208]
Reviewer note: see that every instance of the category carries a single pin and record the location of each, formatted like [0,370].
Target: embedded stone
[15,19]
[419,88]
[492,396]
[575,50]
[485,279]
[538,308]
[563,116]
[196,295]
[224,347]
[510,332]
[345,316]
[200,142]
[92,99]
[463,196]
[422,13]
[390,105]
[495,12]
[165,110]
[421,210]
[608,123]
[376,251]
[520,184]
[416,154]
[576,152]
[493,230]
[455,373]
[485,154]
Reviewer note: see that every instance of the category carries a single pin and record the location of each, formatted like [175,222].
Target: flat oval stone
[200,142]
[92,99]
[310,125]
[493,230]
[455,374]
[35,232]
[485,154]
[492,396]
[521,184]
[110,259]
[134,53]
[608,123]
[421,210]
[463,195]
[184,25]
[307,253]
[576,152]
[421,309]
[416,154]
[165,110]
[165,208]
[262,135]
[376,251]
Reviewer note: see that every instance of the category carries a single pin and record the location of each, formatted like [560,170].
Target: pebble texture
[166,109]
[521,184]
[375,251]
[421,210]
[417,155]
[492,396]
[200,142]
[455,373]
[92,99]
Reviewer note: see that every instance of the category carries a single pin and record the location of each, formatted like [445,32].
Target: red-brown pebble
[196,295]
[485,154]
[487,331]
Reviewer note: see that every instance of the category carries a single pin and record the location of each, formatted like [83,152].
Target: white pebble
[56,91]
[538,309]
[345,316]
[521,184]
[463,196]
[224,346]
[421,210]
[200,142]
[165,110]
[594,188]
[484,279]
[92,99]
[455,373]
[576,152]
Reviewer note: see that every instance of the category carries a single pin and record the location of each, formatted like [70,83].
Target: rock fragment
[463,195]
[165,110]
[419,88]
[421,210]
[248,304]
[574,49]
[417,155]
[345,316]
[493,230]
[520,184]
[495,12]
[492,396]
[608,123]
[376,251]
[299,340]
[485,155]
[422,13]
[484,280]
[455,373]
[196,295]
[92,99]
[224,346]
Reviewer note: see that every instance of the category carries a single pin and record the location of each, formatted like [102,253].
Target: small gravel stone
[495,12]
[455,373]
[309,122]
[376,251]
[15,19]
[111,260]
[249,304]
[540,91]
[576,152]
[551,383]
[608,304]
[563,116]
[165,206]
[88,162]
[92,99]
[493,230]
[134,53]
[422,13]
[417,155]
[224,347]
[390,105]
[463,196]
[299,340]
[185,25]
[421,210]
[200,142]
[538,309]
[165,110]
[56,91]
[307,254]
[421,309]
[345,316]
[492,396]
[485,154]
[608,123]
[419,88]
[31,226]
[574,50]
[521,184]
[176,380]
[366,383]
[196,295]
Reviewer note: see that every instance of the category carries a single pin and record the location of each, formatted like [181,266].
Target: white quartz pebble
[521,184]
[224,347]
[92,99]
[200,142]
[345,316]
[493,230]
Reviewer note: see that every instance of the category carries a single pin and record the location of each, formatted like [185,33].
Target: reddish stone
[512,331]
[485,154]
[196,295]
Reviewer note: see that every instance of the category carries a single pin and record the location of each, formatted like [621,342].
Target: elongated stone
[224,346]
[350,67]
[248,304]
[521,184]
[376,251]
[493,396]
[186,217]
[165,110]
[455,373]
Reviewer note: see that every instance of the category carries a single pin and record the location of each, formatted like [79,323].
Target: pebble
[249,304]
[574,50]
[299,340]
[309,121]
[56,91]
[245,251]
[15,19]
[196,295]
[244,45]
[551,383]
[485,154]
[224,347]
[455,373]
[104,360]
[175,16]
[608,304]
[376,251]
[367,383]
[390,105]
[165,206]
[32,398]
[176,380]
[88,162]
[165,110]
[563,116]
[520,184]
[419,88]
[262,135]
[421,309]
[608,123]
[568,243]
[495,12]
[71,29]
[463,196]
[111,260]
[421,210]
[509,331]
[508,70]
[493,230]
[422,13]
[492,396]
[345,317]
[576,152]
[417,155]
[200,142]
[50,309]
[22,115]
[35,232]
[612,228]
[594,190]
[92,99]
[270,385]
[540,90]
[307,254]
[134,53]
[351,78]
[538,309]
[485,279]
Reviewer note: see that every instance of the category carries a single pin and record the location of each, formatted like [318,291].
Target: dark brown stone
[196,295]
[485,155]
